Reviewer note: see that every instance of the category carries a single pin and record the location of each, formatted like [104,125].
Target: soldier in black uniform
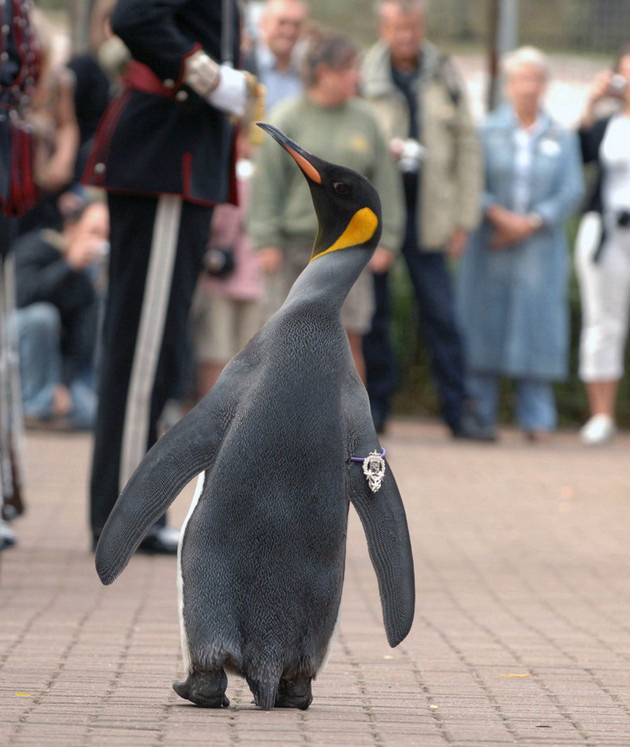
[164,153]
[20,58]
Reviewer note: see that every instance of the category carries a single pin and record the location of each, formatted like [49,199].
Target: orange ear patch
[306,166]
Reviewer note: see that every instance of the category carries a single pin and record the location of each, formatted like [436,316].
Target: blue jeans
[431,281]
[535,405]
[39,330]
[382,370]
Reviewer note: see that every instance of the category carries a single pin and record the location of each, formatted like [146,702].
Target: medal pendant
[374,470]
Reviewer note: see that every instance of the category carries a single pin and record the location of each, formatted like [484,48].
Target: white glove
[220,85]
[201,73]
[230,95]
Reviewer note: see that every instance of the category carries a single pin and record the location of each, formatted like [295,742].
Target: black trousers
[382,368]
[431,280]
[157,247]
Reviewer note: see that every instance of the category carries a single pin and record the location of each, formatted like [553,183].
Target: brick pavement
[522,631]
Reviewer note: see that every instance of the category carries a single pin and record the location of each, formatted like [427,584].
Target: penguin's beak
[302,157]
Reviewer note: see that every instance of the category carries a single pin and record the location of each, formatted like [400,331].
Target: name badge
[549,148]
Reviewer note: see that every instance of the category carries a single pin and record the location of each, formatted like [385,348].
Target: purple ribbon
[362,459]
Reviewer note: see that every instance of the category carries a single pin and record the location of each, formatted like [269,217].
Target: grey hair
[525,56]
[404,6]
[268,3]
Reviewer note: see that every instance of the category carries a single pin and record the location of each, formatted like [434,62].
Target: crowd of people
[152,231]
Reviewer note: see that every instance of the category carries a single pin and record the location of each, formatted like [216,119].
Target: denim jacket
[512,302]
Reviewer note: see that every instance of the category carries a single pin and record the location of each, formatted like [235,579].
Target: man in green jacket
[330,122]
[419,100]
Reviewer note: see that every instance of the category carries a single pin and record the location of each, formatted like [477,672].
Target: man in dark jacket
[57,316]
[419,100]
[163,152]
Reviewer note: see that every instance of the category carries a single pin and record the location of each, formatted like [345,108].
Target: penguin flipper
[184,451]
[382,515]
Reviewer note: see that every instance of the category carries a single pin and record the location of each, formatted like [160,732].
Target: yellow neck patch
[360,229]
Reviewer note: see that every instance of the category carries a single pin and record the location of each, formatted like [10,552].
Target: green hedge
[417,395]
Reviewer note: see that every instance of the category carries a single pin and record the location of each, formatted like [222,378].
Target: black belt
[623,219]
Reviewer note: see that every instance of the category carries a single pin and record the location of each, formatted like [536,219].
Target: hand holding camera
[606,85]
[408,152]
[617,86]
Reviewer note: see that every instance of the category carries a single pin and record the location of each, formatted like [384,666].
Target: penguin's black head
[348,207]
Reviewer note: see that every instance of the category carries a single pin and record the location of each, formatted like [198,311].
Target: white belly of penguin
[180,578]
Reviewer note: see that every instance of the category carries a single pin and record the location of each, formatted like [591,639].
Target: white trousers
[605,296]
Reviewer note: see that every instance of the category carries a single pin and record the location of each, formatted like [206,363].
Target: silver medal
[374,470]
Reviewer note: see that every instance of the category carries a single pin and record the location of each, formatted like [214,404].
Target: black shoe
[473,428]
[160,541]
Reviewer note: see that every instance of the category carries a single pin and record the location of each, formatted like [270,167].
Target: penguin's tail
[265,691]
[267,695]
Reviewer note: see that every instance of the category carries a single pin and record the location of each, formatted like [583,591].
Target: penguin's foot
[294,694]
[204,689]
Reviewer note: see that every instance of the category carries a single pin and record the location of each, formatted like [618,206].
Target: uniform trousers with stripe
[157,247]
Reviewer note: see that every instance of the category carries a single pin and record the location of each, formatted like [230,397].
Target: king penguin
[282,444]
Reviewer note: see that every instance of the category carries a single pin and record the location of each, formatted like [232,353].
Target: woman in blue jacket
[512,290]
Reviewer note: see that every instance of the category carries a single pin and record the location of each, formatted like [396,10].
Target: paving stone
[521,632]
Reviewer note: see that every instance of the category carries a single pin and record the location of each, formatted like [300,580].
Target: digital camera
[618,85]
